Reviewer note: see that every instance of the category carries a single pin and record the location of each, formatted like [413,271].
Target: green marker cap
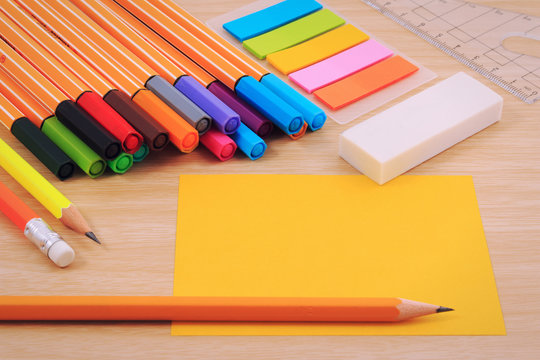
[87,159]
[121,163]
[141,153]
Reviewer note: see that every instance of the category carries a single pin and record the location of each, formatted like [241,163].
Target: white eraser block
[396,140]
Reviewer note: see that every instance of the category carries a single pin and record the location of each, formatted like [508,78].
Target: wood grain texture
[135,217]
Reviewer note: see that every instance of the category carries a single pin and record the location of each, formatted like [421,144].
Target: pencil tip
[444,309]
[92,236]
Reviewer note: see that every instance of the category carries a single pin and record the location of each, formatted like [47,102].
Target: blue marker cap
[225,119]
[249,142]
[272,17]
[269,104]
[314,115]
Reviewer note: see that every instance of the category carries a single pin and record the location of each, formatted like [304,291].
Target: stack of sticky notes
[319,52]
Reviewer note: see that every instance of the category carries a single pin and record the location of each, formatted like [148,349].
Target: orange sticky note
[417,237]
[365,82]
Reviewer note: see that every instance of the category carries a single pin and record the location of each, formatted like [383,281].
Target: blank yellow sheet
[416,237]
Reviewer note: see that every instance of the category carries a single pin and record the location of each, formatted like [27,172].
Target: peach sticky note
[416,237]
[365,82]
[340,65]
[317,49]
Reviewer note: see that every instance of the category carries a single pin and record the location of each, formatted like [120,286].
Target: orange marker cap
[181,134]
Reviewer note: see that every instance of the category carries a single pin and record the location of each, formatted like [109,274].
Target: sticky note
[316,49]
[270,18]
[397,139]
[340,65]
[365,82]
[417,237]
[293,33]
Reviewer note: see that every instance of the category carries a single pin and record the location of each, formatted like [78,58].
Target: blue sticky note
[270,18]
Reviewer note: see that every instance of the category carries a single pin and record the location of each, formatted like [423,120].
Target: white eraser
[396,140]
[61,253]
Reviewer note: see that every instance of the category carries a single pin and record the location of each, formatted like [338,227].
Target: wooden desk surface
[132,211]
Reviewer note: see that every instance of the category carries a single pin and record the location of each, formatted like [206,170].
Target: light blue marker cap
[249,142]
[269,104]
[314,115]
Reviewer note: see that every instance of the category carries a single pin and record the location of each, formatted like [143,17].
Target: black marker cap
[43,148]
[88,129]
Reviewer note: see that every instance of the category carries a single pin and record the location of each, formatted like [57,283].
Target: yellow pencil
[43,191]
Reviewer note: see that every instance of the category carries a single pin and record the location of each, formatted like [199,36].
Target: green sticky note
[293,33]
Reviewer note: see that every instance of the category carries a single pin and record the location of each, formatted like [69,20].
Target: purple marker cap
[226,120]
[249,116]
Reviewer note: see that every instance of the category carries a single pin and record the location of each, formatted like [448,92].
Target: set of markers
[99,84]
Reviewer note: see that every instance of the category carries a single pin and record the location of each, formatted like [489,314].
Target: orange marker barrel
[155,135]
[84,26]
[67,82]
[247,87]
[67,111]
[103,63]
[226,120]
[313,115]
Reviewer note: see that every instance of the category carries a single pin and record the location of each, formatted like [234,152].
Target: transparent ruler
[473,34]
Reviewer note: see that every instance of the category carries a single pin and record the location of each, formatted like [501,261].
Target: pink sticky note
[340,65]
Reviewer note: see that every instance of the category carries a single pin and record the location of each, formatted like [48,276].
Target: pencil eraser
[396,140]
[155,135]
[317,49]
[177,101]
[269,104]
[365,82]
[88,129]
[313,115]
[247,141]
[224,118]
[293,33]
[43,148]
[61,253]
[219,144]
[270,18]
[340,65]
[248,115]
[115,124]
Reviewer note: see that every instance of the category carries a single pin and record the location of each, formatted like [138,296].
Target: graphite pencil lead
[444,309]
[92,236]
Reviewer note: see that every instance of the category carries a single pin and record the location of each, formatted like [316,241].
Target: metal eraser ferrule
[270,105]
[182,105]
[313,115]
[41,235]
[225,119]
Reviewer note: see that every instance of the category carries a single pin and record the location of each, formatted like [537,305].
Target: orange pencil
[34,228]
[312,114]
[67,111]
[155,136]
[184,136]
[247,87]
[224,119]
[67,82]
[213,308]
[82,25]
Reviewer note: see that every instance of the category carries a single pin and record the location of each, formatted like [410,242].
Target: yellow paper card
[416,237]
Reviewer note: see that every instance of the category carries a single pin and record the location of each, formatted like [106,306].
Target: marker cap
[155,135]
[180,103]
[75,148]
[219,144]
[269,104]
[224,118]
[141,154]
[43,148]
[88,129]
[313,115]
[247,141]
[121,163]
[248,115]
